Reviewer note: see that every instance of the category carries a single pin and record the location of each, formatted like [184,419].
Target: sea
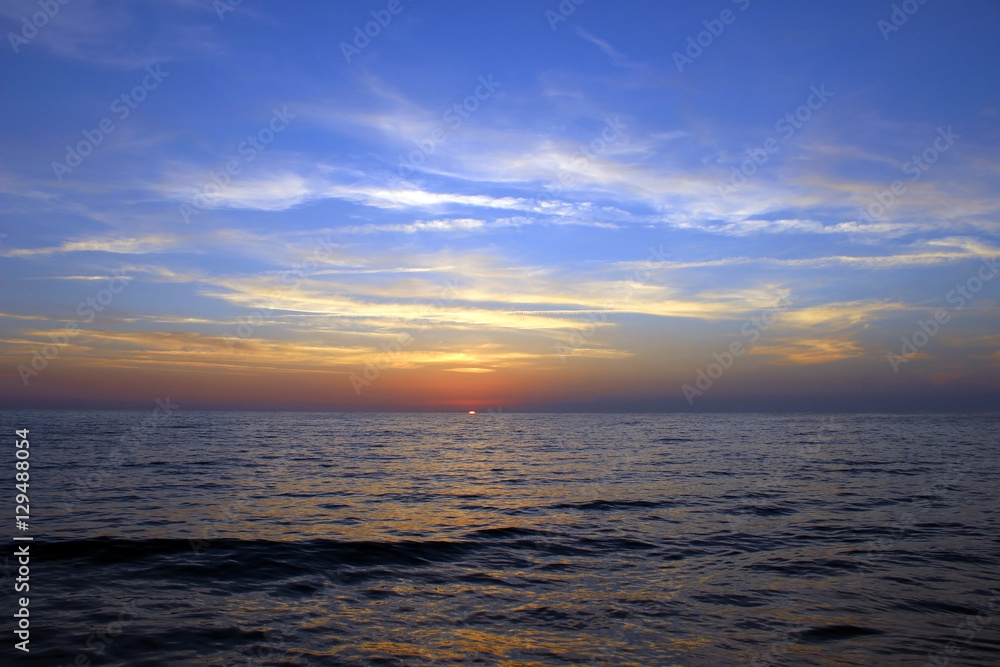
[174,537]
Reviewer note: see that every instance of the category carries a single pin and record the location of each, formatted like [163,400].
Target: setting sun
[719,274]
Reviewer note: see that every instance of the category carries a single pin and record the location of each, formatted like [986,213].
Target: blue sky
[519,204]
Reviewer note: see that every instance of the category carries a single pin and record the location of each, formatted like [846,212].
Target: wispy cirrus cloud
[617,58]
[508,232]
[139,245]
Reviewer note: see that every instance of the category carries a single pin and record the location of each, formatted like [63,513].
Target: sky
[500,206]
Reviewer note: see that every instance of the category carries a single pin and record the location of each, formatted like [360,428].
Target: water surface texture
[428,539]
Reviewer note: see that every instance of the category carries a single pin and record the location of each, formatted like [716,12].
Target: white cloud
[121,245]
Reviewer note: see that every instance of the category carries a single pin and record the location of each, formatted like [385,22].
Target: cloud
[452,225]
[802,352]
[617,59]
[396,198]
[152,243]
[20,316]
[115,33]
[267,192]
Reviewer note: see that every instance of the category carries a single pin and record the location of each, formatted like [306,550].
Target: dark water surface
[386,539]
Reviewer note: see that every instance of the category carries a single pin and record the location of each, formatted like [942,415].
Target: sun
[472,412]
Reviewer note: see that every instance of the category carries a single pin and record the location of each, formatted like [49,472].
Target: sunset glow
[591,219]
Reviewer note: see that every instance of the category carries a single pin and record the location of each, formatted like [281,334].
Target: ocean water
[214,538]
